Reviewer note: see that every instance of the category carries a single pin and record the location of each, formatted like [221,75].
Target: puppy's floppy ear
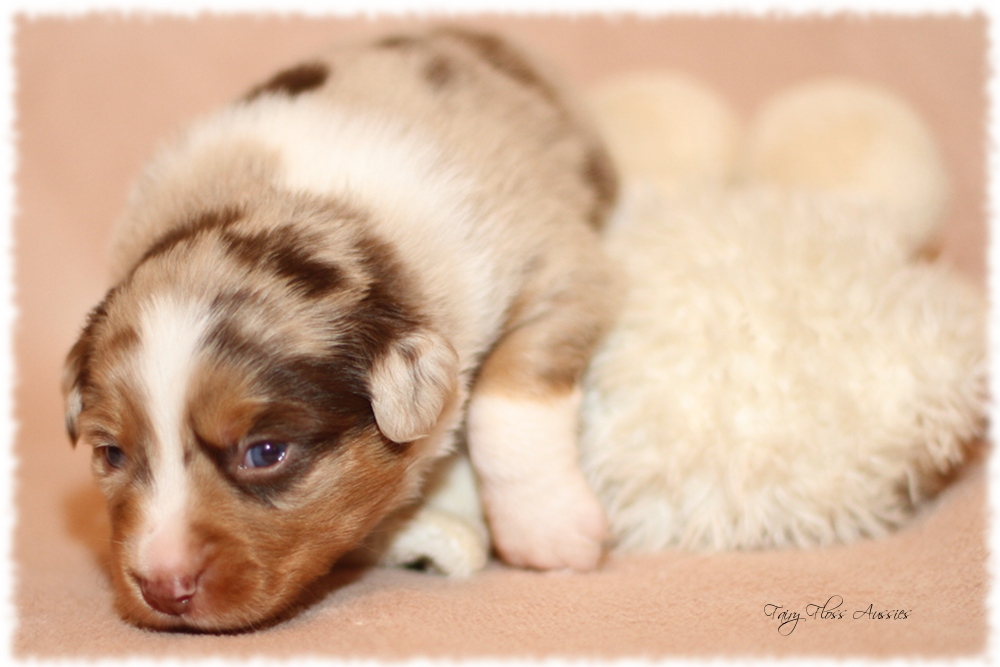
[411,385]
[76,368]
[74,371]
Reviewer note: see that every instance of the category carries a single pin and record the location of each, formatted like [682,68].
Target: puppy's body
[313,288]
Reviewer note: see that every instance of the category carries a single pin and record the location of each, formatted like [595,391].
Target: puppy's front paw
[542,512]
[547,524]
[446,543]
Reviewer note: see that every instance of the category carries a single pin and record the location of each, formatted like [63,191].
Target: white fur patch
[514,439]
[170,333]
[541,511]
[419,201]
[401,175]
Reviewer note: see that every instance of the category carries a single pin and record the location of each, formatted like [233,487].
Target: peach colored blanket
[95,94]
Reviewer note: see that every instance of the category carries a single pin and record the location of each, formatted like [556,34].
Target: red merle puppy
[318,289]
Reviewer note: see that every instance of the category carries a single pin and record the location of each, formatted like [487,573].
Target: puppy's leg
[522,430]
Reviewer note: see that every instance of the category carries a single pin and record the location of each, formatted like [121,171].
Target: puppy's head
[253,391]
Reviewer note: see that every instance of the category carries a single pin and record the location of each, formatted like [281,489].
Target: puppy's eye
[265,454]
[113,456]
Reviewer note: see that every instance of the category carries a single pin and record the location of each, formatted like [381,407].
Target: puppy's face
[252,392]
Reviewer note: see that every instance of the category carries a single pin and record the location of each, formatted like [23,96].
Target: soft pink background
[96,94]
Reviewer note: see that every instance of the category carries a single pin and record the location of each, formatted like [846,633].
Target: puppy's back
[501,114]
[472,162]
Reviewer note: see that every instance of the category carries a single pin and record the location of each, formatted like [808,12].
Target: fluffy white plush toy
[787,370]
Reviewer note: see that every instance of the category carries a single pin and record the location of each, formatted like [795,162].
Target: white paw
[547,524]
[541,511]
[443,542]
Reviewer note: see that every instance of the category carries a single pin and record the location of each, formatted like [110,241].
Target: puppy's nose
[169,593]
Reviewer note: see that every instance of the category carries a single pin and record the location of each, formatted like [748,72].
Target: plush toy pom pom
[846,137]
[668,128]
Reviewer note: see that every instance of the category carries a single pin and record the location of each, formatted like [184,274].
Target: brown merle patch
[398,42]
[600,177]
[193,226]
[438,71]
[388,311]
[230,344]
[121,341]
[286,253]
[293,81]
[504,58]
[76,378]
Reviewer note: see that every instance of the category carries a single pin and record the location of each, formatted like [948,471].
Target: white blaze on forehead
[170,332]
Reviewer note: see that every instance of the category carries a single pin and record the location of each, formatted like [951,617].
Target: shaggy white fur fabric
[782,374]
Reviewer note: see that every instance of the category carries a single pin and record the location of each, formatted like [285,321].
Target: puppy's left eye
[265,454]
[113,456]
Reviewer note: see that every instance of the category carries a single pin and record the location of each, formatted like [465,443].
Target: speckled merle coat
[316,289]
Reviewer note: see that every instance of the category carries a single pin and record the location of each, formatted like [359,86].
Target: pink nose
[169,593]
